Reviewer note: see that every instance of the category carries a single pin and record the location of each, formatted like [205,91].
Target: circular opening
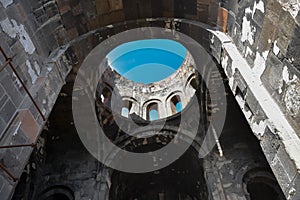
[149,79]
[147,61]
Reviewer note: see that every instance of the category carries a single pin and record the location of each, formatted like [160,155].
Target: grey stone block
[241,83]
[249,53]
[186,7]
[12,12]
[293,48]
[8,111]
[241,10]
[11,90]
[294,189]
[11,161]
[3,100]
[237,37]
[6,189]
[258,18]
[2,93]
[255,107]
[216,48]
[272,76]
[2,126]
[230,23]
[229,67]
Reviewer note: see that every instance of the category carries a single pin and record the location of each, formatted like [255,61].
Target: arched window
[127,105]
[176,104]
[125,112]
[57,193]
[152,112]
[105,95]
[193,83]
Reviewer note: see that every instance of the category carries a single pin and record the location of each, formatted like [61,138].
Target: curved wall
[47,25]
[137,97]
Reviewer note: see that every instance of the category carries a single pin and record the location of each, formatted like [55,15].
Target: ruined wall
[26,32]
[160,92]
[267,33]
[261,62]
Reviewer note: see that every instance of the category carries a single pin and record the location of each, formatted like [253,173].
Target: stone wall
[141,95]
[262,64]
[26,31]
[260,60]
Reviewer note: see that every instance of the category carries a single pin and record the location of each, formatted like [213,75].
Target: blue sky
[147,61]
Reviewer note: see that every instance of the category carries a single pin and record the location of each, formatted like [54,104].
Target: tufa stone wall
[26,31]
[259,57]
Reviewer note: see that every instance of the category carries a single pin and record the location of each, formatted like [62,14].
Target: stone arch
[168,132]
[191,82]
[260,183]
[172,102]
[57,192]
[129,105]
[154,106]
[152,111]
[104,92]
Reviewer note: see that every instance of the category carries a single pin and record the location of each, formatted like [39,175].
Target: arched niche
[260,184]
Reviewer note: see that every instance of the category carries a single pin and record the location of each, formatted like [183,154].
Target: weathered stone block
[216,48]
[267,35]
[274,9]
[241,10]
[3,100]
[213,13]
[63,8]
[294,189]
[240,83]
[6,189]
[249,53]
[254,106]
[112,17]
[272,76]
[229,67]
[8,111]
[11,161]
[230,23]
[293,48]
[258,18]
[168,6]
[12,12]
[288,165]
[2,92]
[115,5]
[89,9]
[280,173]
[51,9]
[237,37]
[102,6]
[68,20]
[185,7]
[21,12]
[2,127]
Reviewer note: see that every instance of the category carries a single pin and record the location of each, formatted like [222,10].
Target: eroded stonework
[292,98]
[259,54]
